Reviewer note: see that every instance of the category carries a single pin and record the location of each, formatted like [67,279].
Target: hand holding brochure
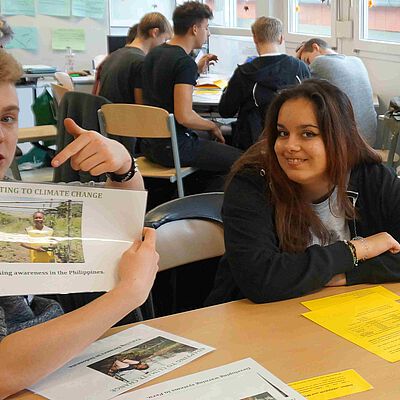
[118,363]
[63,238]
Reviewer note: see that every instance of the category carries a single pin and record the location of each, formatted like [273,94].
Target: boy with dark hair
[254,85]
[169,74]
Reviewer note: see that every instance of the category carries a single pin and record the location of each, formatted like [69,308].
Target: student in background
[132,32]
[169,74]
[120,78]
[350,75]
[254,84]
[35,339]
[310,205]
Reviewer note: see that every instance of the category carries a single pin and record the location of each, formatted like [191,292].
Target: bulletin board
[39,33]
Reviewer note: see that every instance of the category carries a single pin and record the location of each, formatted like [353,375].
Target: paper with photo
[343,297]
[118,363]
[77,244]
[332,386]
[240,380]
[371,322]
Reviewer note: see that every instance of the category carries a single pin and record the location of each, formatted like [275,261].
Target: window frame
[296,38]
[368,45]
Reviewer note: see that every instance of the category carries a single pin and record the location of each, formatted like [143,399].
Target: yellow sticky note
[331,386]
[371,322]
[341,298]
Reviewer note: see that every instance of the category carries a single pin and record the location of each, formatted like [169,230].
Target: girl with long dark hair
[310,205]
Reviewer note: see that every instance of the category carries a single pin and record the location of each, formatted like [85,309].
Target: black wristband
[124,177]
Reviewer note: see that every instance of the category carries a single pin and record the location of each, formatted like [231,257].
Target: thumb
[73,128]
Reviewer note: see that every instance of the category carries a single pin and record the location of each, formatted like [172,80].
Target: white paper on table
[91,227]
[240,380]
[89,377]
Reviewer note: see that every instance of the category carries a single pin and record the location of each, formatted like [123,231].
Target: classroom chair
[82,108]
[58,92]
[138,121]
[64,80]
[390,140]
[190,236]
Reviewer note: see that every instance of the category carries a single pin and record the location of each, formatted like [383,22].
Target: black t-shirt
[163,68]
[121,73]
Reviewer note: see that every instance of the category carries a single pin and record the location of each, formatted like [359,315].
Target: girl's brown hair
[345,148]
[10,69]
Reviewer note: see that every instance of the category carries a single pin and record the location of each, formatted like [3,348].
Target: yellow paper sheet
[371,322]
[341,298]
[331,386]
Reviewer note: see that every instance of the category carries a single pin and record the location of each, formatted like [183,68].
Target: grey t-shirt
[332,219]
[349,74]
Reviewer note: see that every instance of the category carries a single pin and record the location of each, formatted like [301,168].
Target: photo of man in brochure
[33,231]
[132,364]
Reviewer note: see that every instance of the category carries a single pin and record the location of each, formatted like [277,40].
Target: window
[310,17]
[124,13]
[380,20]
[232,13]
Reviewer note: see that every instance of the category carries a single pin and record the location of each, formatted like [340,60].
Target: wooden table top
[280,339]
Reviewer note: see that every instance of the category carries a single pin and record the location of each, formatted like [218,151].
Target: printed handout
[240,380]
[65,238]
[118,363]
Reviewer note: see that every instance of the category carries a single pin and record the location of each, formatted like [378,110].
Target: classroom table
[280,339]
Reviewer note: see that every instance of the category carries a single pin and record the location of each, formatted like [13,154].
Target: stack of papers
[367,317]
[209,83]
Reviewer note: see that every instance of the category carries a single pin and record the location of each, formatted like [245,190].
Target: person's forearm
[31,354]
[192,120]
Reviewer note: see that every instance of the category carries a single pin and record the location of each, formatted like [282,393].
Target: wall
[96,31]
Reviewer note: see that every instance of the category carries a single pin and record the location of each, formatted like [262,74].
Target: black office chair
[190,242]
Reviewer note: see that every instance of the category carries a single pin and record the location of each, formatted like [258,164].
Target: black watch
[124,177]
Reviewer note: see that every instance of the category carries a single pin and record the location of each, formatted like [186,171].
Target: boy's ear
[155,32]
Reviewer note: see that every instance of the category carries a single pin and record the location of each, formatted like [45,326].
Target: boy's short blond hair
[267,29]
[10,69]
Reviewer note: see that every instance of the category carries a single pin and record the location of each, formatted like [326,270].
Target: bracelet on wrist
[126,176]
[353,252]
[365,247]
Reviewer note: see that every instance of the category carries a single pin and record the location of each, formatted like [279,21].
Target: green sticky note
[63,38]
[24,38]
[88,8]
[18,7]
[56,8]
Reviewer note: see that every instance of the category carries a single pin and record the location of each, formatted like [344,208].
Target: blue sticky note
[24,38]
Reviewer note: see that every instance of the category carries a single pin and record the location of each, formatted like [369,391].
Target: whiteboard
[96,31]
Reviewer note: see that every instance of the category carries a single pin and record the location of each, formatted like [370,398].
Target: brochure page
[118,363]
[65,238]
[240,380]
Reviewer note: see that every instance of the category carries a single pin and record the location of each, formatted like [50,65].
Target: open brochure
[65,238]
[118,363]
[240,380]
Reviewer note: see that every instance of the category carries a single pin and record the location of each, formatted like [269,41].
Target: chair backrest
[189,229]
[58,92]
[134,120]
[64,80]
[82,108]
[98,60]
